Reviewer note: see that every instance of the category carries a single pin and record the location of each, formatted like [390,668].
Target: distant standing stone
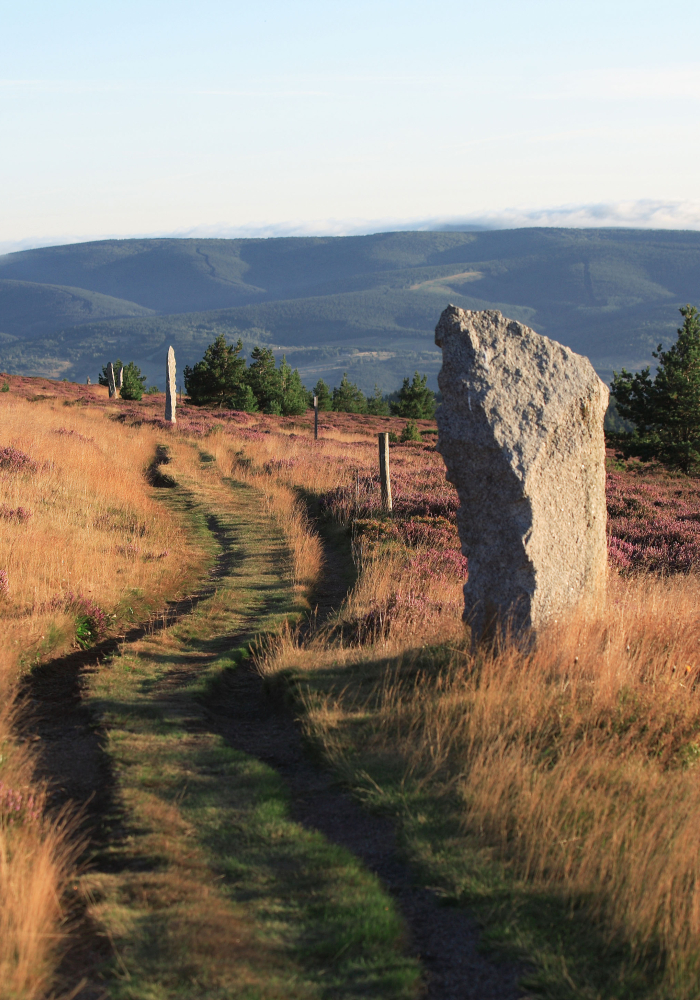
[88,382]
[521,433]
[170,387]
[120,377]
[110,381]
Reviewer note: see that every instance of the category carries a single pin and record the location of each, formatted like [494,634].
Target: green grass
[207,888]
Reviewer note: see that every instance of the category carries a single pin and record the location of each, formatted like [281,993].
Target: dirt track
[251,720]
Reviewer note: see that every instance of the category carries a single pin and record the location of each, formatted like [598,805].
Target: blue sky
[126,118]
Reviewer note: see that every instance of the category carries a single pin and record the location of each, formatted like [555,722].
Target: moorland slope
[365,304]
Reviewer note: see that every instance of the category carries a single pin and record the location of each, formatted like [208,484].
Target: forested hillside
[363,304]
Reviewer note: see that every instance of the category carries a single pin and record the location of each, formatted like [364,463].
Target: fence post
[170,387]
[315,418]
[384,469]
[110,381]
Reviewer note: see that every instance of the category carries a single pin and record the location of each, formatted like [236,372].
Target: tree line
[223,379]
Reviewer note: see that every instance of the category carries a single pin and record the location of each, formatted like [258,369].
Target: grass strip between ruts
[206,888]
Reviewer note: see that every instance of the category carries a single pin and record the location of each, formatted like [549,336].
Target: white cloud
[674,83]
[645,214]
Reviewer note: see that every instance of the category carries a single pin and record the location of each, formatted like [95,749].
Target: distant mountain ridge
[363,304]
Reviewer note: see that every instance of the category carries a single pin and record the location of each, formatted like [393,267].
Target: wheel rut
[251,718]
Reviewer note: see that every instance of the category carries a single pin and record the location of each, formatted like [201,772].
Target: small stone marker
[521,433]
[170,387]
[384,476]
[110,381]
[87,381]
[315,418]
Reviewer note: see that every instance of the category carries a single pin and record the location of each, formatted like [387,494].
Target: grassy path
[204,886]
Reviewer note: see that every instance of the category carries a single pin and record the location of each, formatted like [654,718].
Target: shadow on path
[250,718]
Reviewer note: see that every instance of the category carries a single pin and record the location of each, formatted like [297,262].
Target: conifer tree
[347,398]
[263,377]
[665,410]
[133,382]
[416,401]
[376,404]
[219,378]
[295,398]
[323,393]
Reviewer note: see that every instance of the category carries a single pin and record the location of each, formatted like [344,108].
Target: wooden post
[170,387]
[315,418]
[384,470]
[110,381]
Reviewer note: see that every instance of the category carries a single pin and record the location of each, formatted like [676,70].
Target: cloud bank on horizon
[644,214]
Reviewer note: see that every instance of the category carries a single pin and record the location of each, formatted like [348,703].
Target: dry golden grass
[94,528]
[37,857]
[94,531]
[281,501]
[577,761]
[279,467]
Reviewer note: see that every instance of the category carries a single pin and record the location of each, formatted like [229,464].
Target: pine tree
[376,404]
[323,393]
[264,379]
[243,399]
[665,410]
[295,398]
[218,379]
[347,398]
[416,401]
[133,382]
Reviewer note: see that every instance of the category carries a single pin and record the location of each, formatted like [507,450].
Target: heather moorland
[551,793]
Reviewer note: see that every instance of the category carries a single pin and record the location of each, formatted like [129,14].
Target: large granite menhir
[521,433]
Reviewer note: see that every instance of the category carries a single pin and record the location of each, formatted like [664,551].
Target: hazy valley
[362,304]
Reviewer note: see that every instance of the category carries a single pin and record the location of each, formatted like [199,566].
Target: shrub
[410,432]
[15,460]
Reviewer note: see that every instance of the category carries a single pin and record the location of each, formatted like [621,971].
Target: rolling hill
[363,304]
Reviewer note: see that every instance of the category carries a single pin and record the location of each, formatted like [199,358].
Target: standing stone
[110,381]
[521,433]
[120,377]
[87,381]
[170,387]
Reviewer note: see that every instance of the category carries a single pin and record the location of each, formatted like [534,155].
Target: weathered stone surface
[521,433]
[119,376]
[170,387]
[110,381]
